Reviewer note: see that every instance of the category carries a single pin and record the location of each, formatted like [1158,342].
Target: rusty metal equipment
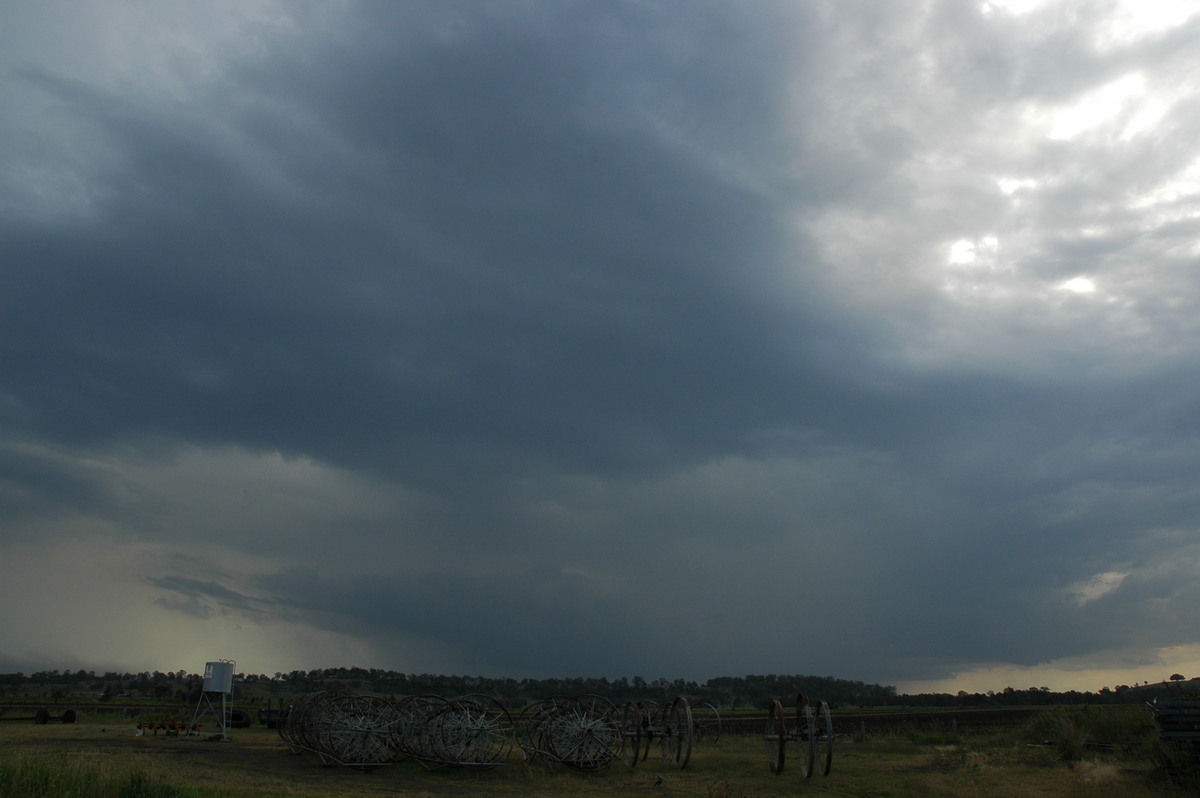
[813,736]
[642,722]
[474,732]
[366,732]
[168,726]
[579,732]
[342,728]
[416,739]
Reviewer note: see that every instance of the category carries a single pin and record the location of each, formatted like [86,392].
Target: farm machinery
[476,732]
[642,722]
[580,732]
[367,733]
[813,736]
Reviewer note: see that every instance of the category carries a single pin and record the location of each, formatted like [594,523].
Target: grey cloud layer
[612,326]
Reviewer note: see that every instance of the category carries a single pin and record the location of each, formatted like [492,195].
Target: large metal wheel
[419,733]
[310,720]
[287,728]
[529,731]
[776,737]
[474,732]
[584,734]
[677,732]
[806,735]
[706,720]
[356,731]
[825,739]
[652,721]
[631,734]
[533,729]
[290,730]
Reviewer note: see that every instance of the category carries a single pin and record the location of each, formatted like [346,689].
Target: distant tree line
[1044,696]
[723,691]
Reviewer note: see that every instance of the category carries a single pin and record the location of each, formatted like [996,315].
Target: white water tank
[218,676]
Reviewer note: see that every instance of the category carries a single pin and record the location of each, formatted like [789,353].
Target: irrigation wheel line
[810,737]
[707,722]
[474,732]
[632,750]
[584,735]
[776,737]
[677,733]
[805,735]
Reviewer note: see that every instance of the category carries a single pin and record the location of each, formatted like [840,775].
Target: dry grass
[255,763]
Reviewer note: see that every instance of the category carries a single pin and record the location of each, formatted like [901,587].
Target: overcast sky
[670,339]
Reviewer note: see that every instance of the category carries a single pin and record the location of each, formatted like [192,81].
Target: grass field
[1054,754]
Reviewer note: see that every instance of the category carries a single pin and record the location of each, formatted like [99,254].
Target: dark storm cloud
[495,268]
[564,337]
[194,597]
[560,618]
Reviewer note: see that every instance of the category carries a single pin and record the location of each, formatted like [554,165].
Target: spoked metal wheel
[652,720]
[419,730]
[631,734]
[825,739]
[531,731]
[316,721]
[677,732]
[806,736]
[706,721]
[584,734]
[474,732]
[357,732]
[289,727]
[776,737]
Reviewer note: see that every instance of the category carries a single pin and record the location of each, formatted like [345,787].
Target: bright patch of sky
[981,252]
[1105,669]
[1079,285]
[1136,19]
[1175,199]
[1011,185]
[1097,587]
[1129,19]
[1012,6]
[1098,107]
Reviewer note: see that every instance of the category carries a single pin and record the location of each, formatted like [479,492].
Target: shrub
[1119,731]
